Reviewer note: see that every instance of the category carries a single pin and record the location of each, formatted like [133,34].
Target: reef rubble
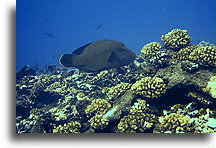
[169,88]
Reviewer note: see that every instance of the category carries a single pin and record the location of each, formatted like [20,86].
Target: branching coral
[186,119]
[149,49]
[175,123]
[205,56]
[150,87]
[176,39]
[138,121]
[183,53]
[98,106]
[99,122]
[71,127]
[154,54]
[118,90]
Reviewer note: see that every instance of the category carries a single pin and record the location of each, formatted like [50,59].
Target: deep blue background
[73,23]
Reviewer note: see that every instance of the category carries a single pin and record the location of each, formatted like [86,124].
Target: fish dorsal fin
[112,57]
[80,50]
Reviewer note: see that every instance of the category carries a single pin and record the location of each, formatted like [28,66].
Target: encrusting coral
[176,39]
[71,127]
[150,87]
[118,90]
[98,106]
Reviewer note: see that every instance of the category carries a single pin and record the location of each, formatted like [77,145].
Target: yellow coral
[149,87]
[211,87]
[174,123]
[205,55]
[99,122]
[183,54]
[138,121]
[118,90]
[176,39]
[186,119]
[98,106]
[153,53]
[71,127]
[199,98]
[150,48]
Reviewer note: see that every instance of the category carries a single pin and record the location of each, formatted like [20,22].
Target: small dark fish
[99,55]
[48,34]
[99,26]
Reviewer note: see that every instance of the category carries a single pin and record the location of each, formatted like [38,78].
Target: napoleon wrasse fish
[99,55]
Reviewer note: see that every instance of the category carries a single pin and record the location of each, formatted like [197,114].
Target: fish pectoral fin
[66,60]
[112,57]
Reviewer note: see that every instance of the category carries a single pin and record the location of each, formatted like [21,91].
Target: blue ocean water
[46,29]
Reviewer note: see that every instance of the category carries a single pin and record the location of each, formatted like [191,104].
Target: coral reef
[170,88]
[176,39]
[150,87]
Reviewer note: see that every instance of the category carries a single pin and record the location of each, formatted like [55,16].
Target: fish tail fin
[66,60]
